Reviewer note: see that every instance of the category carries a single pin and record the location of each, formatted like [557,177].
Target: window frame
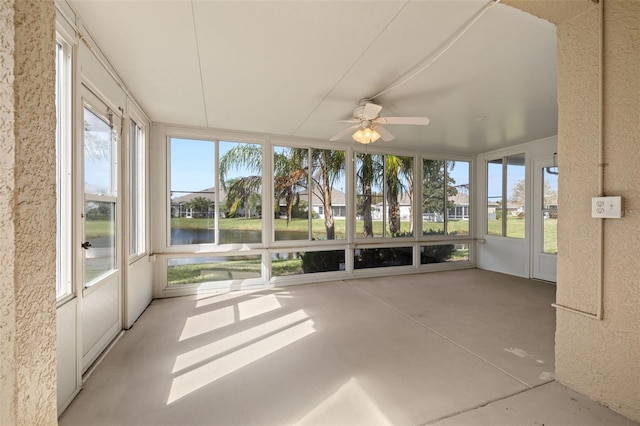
[470,207]
[65,290]
[504,162]
[164,133]
[97,107]
[385,235]
[214,246]
[186,247]
[137,195]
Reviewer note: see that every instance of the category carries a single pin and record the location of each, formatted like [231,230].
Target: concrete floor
[454,348]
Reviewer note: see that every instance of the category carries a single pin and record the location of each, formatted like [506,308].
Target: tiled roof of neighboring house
[510,206]
[338,198]
[206,193]
[461,198]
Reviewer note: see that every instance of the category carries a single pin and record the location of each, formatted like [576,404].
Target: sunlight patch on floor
[210,372]
[208,321]
[211,350]
[348,405]
[197,325]
[203,300]
[258,306]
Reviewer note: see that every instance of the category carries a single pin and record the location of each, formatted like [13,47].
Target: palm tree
[368,174]
[200,205]
[248,156]
[290,177]
[242,192]
[328,167]
[398,170]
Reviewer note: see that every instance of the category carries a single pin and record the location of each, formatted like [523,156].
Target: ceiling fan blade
[371,111]
[421,121]
[345,121]
[385,134]
[344,133]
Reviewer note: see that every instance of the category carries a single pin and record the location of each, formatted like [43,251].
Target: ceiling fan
[368,127]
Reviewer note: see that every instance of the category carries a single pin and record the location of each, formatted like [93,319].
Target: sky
[192,165]
[192,168]
[514,175]
[97,158]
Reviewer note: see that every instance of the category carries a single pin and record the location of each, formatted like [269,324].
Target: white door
[545,229]
[100,214]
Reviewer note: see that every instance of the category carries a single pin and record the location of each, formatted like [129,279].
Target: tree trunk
[394,215]
[328,212]
[367,177]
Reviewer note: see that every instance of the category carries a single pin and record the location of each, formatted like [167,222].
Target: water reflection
[185,236]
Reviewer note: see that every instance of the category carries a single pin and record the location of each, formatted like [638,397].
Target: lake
[185,236]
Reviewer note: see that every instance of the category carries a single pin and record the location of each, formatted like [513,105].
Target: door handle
[86,245]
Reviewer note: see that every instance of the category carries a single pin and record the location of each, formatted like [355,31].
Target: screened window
[382,257]
[309,262]
[215,192]
[197,270]
[292,213]
[137,190]
[384,196]
[100,195]
[63,170]
[445,197]
[240,194]
[440,253]
[309,194]
[192,191]
[329,195]
[506,196]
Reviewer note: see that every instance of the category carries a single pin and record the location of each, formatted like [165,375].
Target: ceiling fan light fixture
[366,135]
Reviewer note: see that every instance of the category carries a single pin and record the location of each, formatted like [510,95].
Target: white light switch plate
[606,207]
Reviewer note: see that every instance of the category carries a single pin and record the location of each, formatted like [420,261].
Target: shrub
[376,257]
[322,261]
[436,254]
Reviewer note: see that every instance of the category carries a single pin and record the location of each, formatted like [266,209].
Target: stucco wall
[601,358]
[7,299]
[555,11]
[27,213]
[598,358]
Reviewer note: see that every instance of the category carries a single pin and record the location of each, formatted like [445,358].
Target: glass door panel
[545,219]
[550,210]
[101,229]
[100,232]
[100,198]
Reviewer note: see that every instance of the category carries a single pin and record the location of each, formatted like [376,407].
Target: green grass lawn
[550,235]
[516,229]
[243,269]
[318,228]
[214,271]
[97,228]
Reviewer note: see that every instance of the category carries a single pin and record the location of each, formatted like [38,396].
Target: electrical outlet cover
[606,207]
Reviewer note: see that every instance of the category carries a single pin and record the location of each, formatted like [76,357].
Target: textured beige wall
[27,213]
[598,358]
[601,359]
[556,11]
[7,299]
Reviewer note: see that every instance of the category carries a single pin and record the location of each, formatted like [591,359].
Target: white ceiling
[291,67]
